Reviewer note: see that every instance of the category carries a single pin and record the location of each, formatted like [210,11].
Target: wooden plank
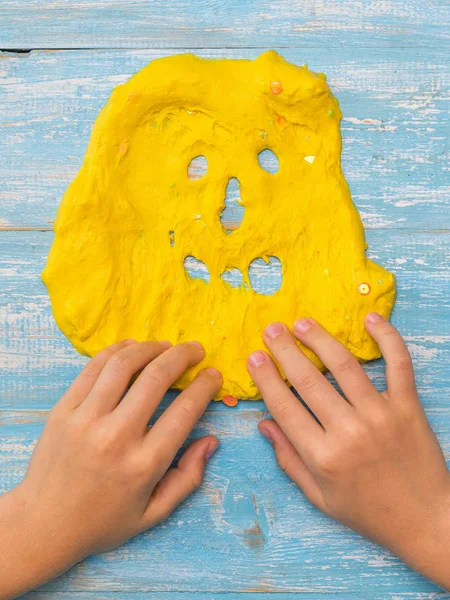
[100,595]
[104,595]
[247,530]
[368,595]
[214,23]
[37,363]
[395,127]
[231,596]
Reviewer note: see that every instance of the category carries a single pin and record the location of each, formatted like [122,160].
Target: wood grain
[248,533]
[247,530]
[223,23]
[395,127]
[100,595]
[37,363]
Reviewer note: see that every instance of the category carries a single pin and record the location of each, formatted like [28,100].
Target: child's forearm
[30,554]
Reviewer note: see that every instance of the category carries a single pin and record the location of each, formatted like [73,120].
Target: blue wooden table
[248,533]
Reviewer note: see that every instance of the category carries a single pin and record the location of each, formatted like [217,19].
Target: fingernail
[165,344]
[302,325]
[274,330]
[267,435]
[129,342]
[257,358]
[213,372]
[196,345]
[374,317]
[211,449]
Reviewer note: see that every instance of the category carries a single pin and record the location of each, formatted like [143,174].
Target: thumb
[179,482]
[291,463]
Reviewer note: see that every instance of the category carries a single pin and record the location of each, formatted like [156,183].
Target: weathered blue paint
[395,127]
[248,533]
[38,363]
[223,23]
[248,529]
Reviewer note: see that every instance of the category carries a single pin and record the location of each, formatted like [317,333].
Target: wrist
[428,550]
[31,553]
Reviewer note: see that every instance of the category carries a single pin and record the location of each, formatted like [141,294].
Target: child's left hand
[98,475]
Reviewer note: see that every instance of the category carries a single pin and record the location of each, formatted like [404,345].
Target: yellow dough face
[132,215]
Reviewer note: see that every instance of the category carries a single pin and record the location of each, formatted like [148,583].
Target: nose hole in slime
[232,215]
[265,277]
[197,167]
[196,269]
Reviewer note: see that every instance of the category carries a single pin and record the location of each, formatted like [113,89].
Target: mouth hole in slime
[268,161]
[197,167]
[233,277]
[265,277]
[232,215]
[196,269]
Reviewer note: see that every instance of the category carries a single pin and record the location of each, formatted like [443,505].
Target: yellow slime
[132,215]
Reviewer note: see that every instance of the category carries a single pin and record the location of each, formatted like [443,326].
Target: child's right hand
[98,476]
[373,462]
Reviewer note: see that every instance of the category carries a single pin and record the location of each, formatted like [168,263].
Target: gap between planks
[25,52]
[5,228]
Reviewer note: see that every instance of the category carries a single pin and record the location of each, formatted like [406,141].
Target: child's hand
[373,463]
[98,476]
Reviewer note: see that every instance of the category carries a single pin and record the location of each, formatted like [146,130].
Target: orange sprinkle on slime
[276,87]
[281,122]
[230,400]
[364,289]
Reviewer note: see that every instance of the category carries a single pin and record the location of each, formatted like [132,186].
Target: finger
[294,419]
[179,483]
[318,393]
[85,381]
[148,390]
[399,367]
[290,462]
[173,427]
[115,377]
[345,368]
